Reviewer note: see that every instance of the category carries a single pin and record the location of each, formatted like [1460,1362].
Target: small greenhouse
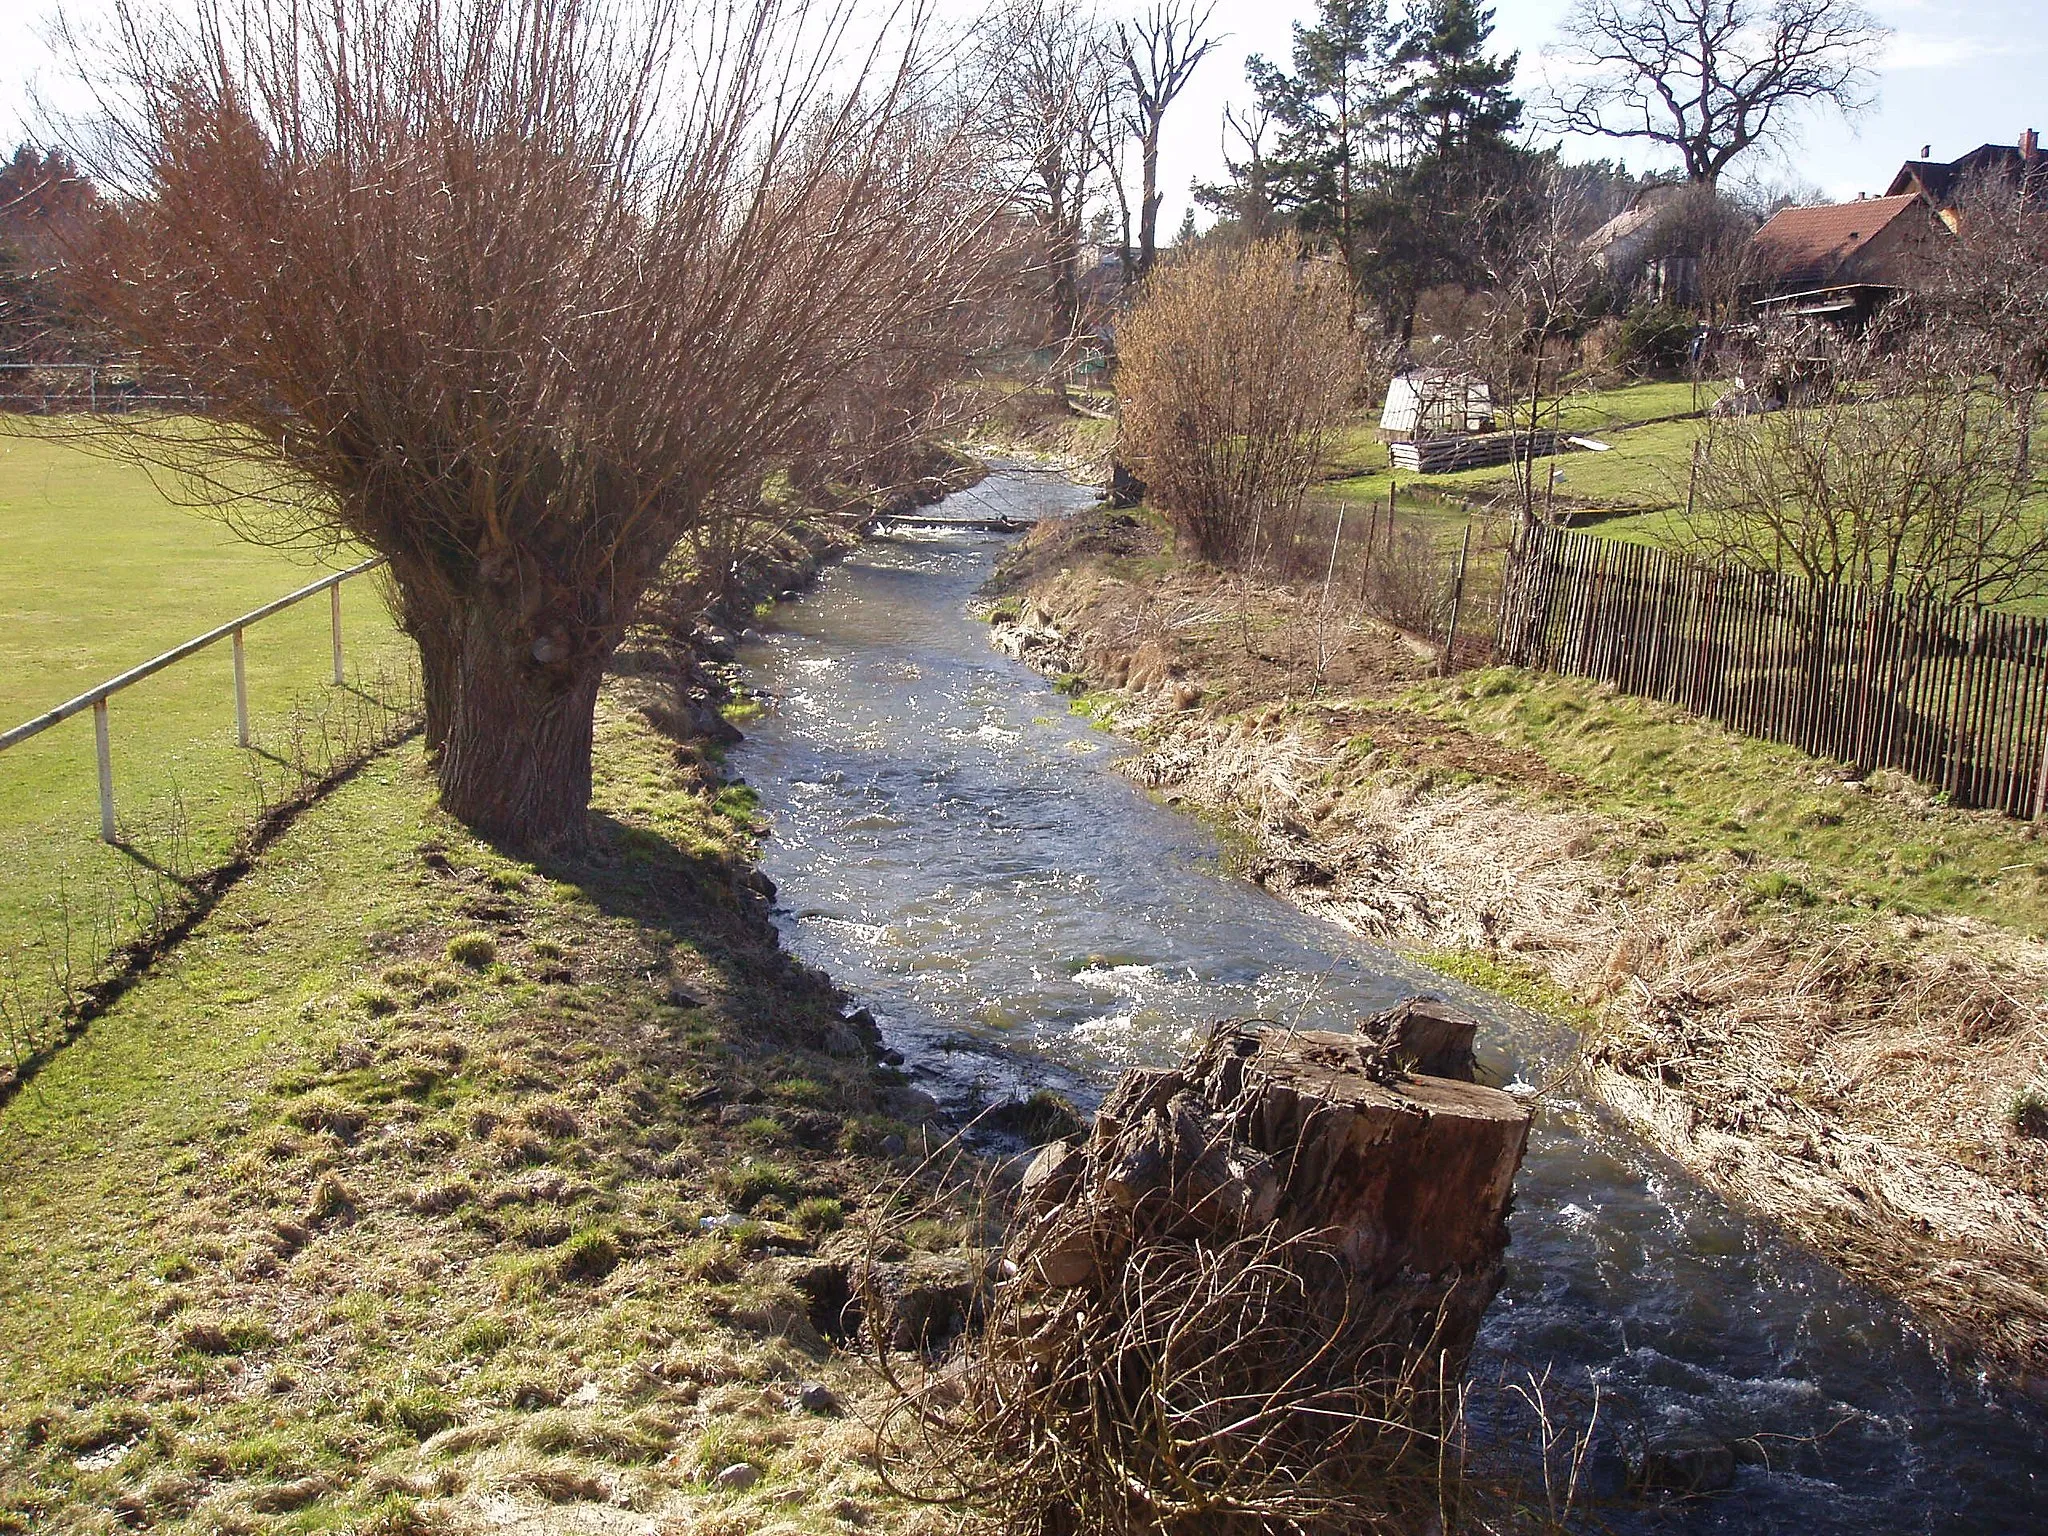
[1436,402]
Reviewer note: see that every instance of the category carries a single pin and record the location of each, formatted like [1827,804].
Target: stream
[954,846]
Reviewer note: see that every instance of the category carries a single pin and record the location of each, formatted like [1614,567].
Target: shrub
[1654,339]
[2027,1115]
[1233,368]
[326,1110]
[751,1182]
[818,1215]
[209,1333]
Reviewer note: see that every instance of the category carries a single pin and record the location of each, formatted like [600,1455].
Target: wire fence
[1953,695]
[1432,570]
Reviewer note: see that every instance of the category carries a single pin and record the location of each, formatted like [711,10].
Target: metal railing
[95,699]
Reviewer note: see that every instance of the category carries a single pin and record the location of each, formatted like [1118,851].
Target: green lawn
[1643,469]
[100,571]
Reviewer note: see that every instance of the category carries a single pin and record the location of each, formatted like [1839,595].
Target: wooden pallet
[1440,455]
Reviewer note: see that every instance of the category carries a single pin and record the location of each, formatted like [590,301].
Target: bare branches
[1160,52]
[1710,79]
[1235,367]
[1056,112]
[518,292]
[1903,473]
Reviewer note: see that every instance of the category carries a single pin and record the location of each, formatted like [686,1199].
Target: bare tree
[1992,282]
[1710,79]
[517,293]
[1534,307]
[1902,474]
[1234,369]
[1160,52]
[1055,105]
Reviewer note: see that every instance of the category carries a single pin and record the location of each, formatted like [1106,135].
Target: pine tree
[1335,117]
[1395,134]
[1456,102]
[1457,111]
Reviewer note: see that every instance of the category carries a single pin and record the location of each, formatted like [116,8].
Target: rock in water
[1686,1460]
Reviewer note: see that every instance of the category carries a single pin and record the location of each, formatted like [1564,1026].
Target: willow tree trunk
[510,720]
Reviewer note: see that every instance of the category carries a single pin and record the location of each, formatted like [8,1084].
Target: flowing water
[953,845]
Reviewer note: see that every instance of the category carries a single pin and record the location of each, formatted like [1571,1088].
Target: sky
[1957,73]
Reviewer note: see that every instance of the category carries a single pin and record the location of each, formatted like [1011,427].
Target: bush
[1233,369]
[1654,339]
[475,950]
[2027,1115]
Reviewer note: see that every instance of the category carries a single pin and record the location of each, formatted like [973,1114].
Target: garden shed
[1436,402]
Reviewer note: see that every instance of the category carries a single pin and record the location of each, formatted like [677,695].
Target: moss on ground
[387,1193]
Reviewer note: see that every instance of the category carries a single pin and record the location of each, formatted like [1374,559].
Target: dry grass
[1849,1072]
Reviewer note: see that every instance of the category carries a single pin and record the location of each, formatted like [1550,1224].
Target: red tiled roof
[1813,244]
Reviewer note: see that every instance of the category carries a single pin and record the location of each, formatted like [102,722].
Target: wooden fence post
[241,693]
[1329,575]
[1457,597]
[103,750]
[334,614]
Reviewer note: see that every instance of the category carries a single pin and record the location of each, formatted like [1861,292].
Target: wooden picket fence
[1952,694]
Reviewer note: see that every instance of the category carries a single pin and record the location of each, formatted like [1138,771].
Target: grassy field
[396,1184]
[99,571]
[1643,469]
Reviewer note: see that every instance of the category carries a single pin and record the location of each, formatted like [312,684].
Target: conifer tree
[1396,136]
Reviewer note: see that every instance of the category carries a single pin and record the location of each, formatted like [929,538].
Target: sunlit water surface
[952,844]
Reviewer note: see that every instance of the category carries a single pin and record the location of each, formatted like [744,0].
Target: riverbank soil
[1823,994]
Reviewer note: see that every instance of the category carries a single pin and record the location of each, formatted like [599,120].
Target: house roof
[1811,246]
[1942,181]
[1618,228]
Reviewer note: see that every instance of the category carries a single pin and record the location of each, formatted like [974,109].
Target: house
[1840,262]
[1941,185]
[1621,247]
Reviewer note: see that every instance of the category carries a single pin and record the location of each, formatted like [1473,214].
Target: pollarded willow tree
[517,293]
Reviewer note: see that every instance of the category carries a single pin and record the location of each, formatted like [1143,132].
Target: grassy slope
[317,1191]
[99,571]
[1699,790]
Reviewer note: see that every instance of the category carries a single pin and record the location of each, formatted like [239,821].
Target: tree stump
[1409,1177]
[1246,1298]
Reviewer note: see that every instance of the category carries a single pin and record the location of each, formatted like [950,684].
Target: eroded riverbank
[953,845]
[1839,1061]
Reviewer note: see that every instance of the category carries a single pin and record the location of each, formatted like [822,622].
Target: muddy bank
[1848,1075]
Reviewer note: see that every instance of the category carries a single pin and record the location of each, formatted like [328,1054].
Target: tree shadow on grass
[717,908]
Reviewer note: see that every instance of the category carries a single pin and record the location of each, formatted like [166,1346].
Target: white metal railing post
[95,699]
[241,694]
[106,757]
[334,609]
